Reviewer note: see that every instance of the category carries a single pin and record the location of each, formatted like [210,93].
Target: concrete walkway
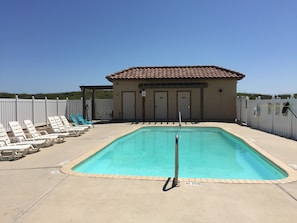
[34,190]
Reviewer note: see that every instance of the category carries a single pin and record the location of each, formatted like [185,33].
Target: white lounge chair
[43,134]
[60,129]
[11,152]
[67,124]
[20,136]
[73,128]
[19,147]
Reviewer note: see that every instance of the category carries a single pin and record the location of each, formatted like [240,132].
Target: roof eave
[182,78]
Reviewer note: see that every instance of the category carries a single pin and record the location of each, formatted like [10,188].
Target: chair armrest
[14,139]
[3,142]
[43,132]
[29,135]
[17,139]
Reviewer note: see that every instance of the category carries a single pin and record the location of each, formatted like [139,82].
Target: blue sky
[49,46]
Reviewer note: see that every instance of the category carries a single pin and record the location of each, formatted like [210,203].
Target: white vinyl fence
[266,115]
[37,110]
[103,108]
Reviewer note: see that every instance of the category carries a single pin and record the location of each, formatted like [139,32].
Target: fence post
[292,117]
[16,107]
[33,109]
[238,109]
[67,108]
[258,110]
[273,114]
[57,106]
[247,106]
[46,111]
[294,129]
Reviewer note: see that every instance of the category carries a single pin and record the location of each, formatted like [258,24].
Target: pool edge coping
[292,174]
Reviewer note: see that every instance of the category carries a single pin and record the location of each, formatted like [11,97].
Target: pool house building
[199,93]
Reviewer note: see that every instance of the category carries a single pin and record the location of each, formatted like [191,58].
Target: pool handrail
[175,180]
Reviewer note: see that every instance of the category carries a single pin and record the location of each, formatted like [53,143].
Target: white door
[161,105]
[184,104]
[129,106]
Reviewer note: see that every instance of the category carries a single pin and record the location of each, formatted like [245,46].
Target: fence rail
[267,115]
[37,110]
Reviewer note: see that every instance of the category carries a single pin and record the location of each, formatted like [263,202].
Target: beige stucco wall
[220,105]
[216,105]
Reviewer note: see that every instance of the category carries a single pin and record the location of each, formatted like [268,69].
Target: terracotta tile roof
[175,72]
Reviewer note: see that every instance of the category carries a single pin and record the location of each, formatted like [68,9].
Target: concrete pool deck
[33,189]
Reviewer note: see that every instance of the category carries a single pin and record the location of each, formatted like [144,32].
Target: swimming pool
[204,152]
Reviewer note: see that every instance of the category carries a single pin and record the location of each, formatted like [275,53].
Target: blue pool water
[203,153]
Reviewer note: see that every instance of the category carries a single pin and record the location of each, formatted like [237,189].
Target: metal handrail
[179,118]
[175,180]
